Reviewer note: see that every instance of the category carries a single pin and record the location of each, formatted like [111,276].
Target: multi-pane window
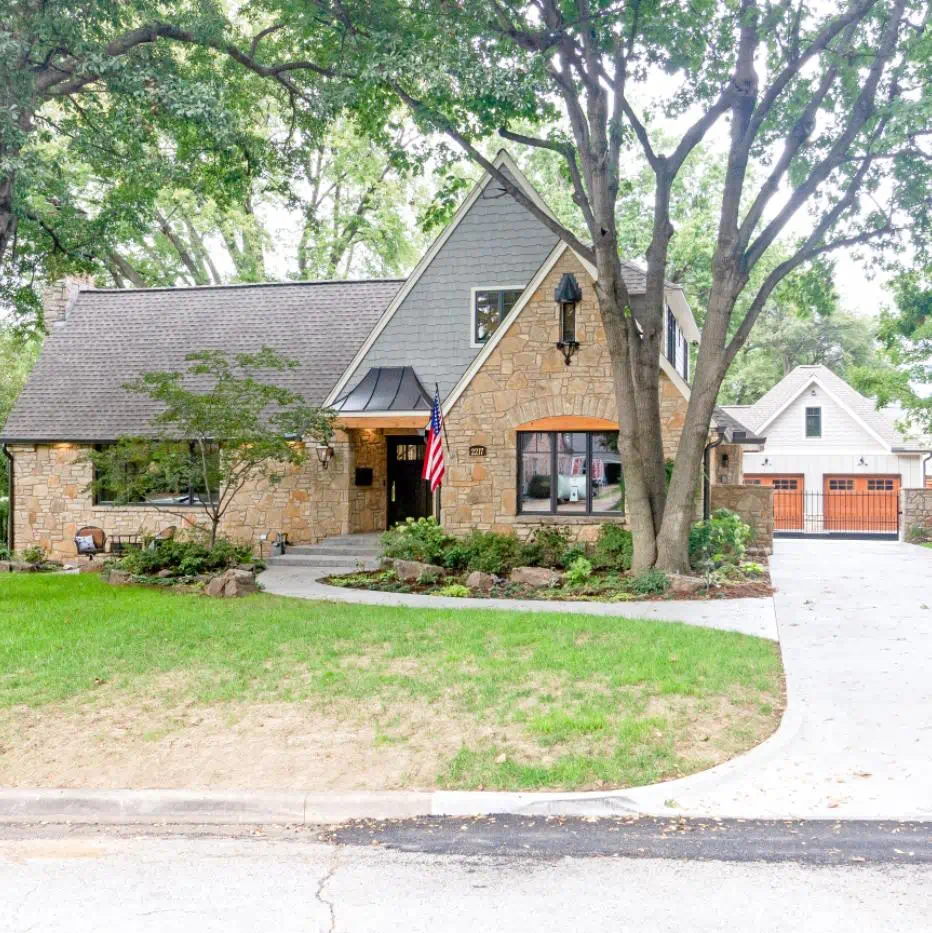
[813,422]
[491,306]
[841,485]
[570,472]
[409,452]
[786,484]
[880,485]
[183,484]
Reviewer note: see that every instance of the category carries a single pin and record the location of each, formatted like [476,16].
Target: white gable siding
[840,431]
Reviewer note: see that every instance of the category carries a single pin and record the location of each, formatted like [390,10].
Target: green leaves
[222,424]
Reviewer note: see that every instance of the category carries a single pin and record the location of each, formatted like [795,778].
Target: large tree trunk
[680,512]
[639,444]
[7,217]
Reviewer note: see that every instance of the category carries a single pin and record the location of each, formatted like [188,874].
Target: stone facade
[755,505]
[307,502]
[727,466]
[916,505]
[525,379]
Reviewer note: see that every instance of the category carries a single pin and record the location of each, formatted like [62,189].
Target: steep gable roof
[113,335]
[766,409]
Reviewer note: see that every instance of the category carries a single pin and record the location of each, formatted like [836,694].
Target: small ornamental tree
[220,426]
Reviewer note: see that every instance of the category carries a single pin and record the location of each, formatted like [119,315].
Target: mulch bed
[375,580]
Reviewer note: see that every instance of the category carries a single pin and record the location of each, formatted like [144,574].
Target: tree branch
[450,130]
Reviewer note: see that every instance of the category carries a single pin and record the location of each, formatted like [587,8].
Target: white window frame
[473,343]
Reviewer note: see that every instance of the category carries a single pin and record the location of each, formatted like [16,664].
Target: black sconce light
[324,455]
[862,462]
[567,295]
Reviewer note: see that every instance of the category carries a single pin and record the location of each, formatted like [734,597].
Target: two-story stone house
[530,438]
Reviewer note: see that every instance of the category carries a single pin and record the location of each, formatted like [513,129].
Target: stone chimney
[58,298]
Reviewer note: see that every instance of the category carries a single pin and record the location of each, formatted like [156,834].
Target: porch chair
[90,540]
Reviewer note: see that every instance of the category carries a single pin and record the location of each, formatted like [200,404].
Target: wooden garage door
[788,497]
[861,503]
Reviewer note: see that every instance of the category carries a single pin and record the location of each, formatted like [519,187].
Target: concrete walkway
[748,616]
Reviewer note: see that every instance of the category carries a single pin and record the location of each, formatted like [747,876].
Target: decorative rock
[682,585]
[234,582]
[410,571]
[483,582]
[6,566]
[165,574]
[215,586]
[20,566]
[239,583]
[535,576]
[119,578]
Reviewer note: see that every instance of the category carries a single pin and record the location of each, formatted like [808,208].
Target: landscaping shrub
[455,589]
[4,525]
[34,555]
[185,558]
[548,547]
[719,540]
[614,548]
[649,583]
[5,553]
[492,552]
[578,571]
[422,540]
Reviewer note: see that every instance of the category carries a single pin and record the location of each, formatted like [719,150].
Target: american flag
[433,460]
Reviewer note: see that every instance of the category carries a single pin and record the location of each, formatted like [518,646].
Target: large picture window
[183,485]
[490,306]
[570,473]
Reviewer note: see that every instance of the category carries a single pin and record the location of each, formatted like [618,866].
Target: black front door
[408,494]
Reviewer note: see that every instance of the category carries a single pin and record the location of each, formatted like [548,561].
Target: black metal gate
[836,513]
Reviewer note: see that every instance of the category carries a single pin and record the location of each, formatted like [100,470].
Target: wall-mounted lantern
[324,455]
[568,294]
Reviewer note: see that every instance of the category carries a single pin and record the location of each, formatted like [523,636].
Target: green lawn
[512,700]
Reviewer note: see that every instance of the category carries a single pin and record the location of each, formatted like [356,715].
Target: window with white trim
[490,305]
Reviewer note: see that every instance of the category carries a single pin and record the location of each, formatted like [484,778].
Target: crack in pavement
[318,894]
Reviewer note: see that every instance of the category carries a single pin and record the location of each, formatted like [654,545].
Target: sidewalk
[748,616]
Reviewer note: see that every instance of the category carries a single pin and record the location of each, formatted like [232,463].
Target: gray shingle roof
[757,415]
[112,335]
[736,431]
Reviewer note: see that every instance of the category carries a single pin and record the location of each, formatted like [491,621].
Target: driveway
[855,622]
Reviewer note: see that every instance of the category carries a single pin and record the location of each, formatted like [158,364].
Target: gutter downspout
[10,520]
[707,474]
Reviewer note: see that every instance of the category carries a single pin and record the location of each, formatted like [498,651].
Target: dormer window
[490,306]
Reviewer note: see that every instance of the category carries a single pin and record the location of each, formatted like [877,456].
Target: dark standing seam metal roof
[386,388]
[113,335]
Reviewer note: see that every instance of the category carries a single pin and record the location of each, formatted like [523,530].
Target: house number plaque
[478,450]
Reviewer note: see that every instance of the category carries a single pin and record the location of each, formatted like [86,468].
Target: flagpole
[446,440]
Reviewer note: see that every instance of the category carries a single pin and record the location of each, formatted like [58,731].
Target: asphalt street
[447,875]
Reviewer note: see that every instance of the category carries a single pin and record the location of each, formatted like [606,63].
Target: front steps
[340,554]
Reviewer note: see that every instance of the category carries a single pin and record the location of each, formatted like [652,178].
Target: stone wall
[525,378]
[755,505]
[51,501]
[916,505]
